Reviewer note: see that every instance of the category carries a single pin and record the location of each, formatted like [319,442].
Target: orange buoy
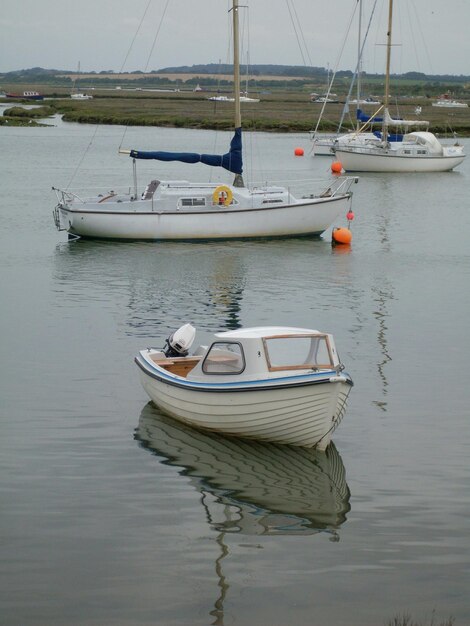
[342,235]
[336,167]
[299,152]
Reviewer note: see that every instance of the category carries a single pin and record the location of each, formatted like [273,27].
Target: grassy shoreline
[277,112]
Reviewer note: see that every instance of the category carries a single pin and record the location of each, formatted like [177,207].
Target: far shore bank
[281,111]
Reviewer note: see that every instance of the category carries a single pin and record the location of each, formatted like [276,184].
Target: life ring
[222,195]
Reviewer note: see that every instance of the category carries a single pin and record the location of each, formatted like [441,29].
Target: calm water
[112,514]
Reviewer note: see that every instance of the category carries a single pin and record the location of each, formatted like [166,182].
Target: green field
[281,110]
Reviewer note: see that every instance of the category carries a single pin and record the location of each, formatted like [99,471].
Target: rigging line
[302,34]
[295,32]
[120,72]
[336,68]
[135,36]
[83,156]
[358,64]
[423,40]
[157,33]
[127,56]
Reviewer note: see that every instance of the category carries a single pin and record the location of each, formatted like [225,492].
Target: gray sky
[431,35]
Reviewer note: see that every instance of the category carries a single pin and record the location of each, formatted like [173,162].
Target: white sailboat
[446,102]
[180,210]
[324,145]
[76,93]
[419,151]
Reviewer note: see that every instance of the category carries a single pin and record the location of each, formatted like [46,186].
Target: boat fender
[222,195]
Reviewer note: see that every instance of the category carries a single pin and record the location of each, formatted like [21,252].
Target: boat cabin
[254,354]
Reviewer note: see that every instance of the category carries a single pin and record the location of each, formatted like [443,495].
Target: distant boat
[221,99]
[26,95]
[446,103]
[371,101]
[81,96]
[76,93]
[417,152]
[324,145]
[332,98]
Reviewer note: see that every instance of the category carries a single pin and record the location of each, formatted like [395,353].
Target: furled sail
[231,161]
[394,122]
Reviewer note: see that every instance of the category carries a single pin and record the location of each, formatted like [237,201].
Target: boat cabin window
[224,358]
[193,202]
[298,352]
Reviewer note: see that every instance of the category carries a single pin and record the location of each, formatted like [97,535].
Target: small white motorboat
[278,384]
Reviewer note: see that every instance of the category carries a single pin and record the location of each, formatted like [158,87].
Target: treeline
[39,74]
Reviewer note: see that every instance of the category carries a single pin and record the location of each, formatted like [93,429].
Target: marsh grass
[280,111]
[407,620]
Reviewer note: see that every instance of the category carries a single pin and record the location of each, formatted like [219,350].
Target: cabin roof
[264,331]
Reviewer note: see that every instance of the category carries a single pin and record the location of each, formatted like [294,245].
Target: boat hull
[323,147]
[301,219]
[377,162]
[297,414]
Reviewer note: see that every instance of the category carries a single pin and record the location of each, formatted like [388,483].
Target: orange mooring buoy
[342,235]
[299,152]
[336,167]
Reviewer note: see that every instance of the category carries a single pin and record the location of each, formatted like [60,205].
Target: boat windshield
[224,358]
[298,352]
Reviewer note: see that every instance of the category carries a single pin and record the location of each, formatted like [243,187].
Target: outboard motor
[180,341]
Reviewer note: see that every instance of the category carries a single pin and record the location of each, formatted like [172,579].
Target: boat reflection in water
[252,487]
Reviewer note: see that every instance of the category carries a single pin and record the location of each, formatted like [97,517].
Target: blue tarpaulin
[231,161]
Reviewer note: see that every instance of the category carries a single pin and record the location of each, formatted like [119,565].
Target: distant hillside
[218,76]
[296,71]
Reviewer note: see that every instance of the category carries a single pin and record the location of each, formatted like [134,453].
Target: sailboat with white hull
[181,210]
[419,151]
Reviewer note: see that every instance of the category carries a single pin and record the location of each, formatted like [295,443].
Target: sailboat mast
[238,181]
[359,62]
[387,70]
[236,65]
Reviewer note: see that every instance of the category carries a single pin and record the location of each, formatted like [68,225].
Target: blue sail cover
[231,161]
[364,117]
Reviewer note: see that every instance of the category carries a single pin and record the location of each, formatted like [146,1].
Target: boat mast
[359,65]
[387,72]
[238,181]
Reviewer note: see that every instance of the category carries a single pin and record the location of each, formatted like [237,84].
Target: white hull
[376,161]
[323,147]
[327,146]
[298,415]
[450,105]
[303,218]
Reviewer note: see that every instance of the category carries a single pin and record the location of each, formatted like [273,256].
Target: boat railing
[343,184]
[340,185]
[64,197]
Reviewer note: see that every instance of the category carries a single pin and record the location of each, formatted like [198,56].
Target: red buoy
[350,215]
[342,235]
[299,152]
[336,167]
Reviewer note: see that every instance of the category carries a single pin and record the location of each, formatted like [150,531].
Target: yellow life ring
[222,195]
